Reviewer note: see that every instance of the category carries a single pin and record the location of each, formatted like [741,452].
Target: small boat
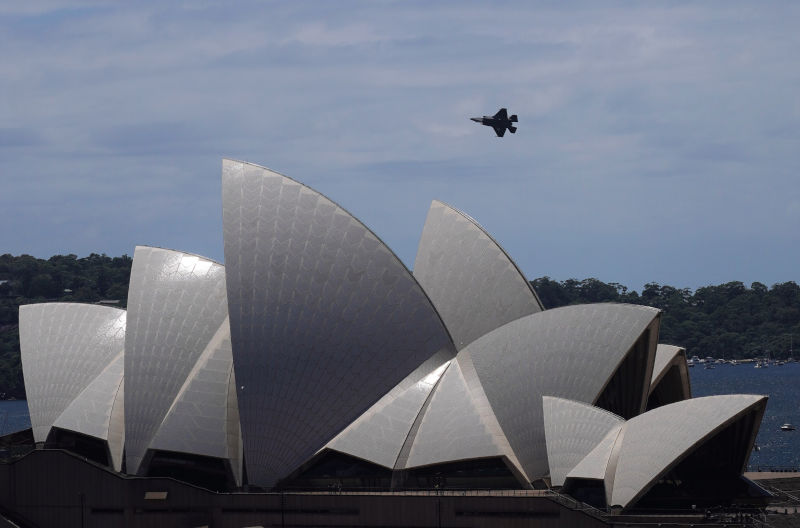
[787,427]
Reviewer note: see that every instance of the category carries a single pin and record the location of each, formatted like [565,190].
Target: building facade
[314,359]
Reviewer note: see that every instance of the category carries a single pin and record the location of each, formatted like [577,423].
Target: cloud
[644,130]
[20,137]
[38,8]
[164,138]
[321,34]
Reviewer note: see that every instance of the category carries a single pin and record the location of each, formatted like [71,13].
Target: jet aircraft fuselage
[499,122]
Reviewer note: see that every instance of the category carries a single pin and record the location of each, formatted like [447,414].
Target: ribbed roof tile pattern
[378,435]
[201,417]
[473,283]
[64,346]
[176,305]
[98,410]
[325,319]
[653,442]
[316,337]
[116,427]
[668,356]
[665,354]
[459,423]
[569,352]
[594,465]
[572,430]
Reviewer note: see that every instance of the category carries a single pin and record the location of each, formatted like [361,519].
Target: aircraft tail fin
[512,129]
[513,118]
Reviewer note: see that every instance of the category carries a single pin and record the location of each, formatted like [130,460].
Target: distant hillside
[63,278]
[730,320]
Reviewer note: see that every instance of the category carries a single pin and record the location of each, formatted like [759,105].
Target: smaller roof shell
[573,429]
[670,376]
[594,465]
[472,281]
[379,434]
[652,443]
[571,352]
[204,417]
[99,410]
[64,348]
[177,307]
[459,423]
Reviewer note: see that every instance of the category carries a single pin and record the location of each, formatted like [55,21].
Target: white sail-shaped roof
[658,440]
[476,287]
[98,410]
[204,417]
[177,310]
[379,434]
[573,429]
[325,319]
[670,381]
[473,283]
[665,355]
[595,463]
[459,423]
[316,340]
[64,348]
[572,352]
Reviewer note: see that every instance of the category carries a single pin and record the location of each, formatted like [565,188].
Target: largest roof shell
[472,281]
[325,319]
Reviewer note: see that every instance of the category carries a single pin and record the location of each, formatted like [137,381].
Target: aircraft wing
[501,114]
[500,130]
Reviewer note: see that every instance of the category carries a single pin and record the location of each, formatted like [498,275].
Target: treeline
[63,278]
[730,320]
[726,321]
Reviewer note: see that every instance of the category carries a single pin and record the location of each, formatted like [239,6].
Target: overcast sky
[657,142]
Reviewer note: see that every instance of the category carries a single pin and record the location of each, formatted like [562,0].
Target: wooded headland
[731,320]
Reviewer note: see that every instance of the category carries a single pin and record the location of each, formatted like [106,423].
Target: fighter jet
[499,122]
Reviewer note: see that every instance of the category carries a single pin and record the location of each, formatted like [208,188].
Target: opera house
[313,359]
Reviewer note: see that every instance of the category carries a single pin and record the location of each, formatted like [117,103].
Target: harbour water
[13,416]
[776,448]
